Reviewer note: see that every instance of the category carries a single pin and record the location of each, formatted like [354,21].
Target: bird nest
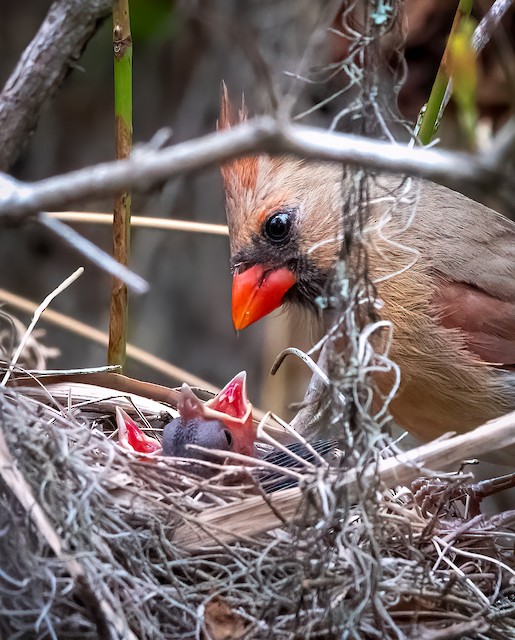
[100,542]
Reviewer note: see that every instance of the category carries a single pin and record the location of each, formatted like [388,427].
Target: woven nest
[98,542]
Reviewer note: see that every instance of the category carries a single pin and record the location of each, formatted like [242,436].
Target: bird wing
[487,322]
[473,254]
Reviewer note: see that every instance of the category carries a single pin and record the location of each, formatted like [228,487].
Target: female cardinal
[444,267]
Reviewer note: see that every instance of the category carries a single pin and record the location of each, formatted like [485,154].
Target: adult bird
[444,268]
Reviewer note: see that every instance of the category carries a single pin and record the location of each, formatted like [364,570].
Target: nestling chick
[224,423]
[453,309]
[132,438]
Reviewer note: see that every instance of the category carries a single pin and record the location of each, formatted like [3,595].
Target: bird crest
[240,173]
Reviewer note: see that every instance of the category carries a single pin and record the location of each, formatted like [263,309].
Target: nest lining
[380,567]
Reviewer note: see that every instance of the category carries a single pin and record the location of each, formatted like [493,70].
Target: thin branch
[474,175]
[10,186]
[64,33]
[89,250]
[485,29]
[37,315]
[146,222]
[314,393]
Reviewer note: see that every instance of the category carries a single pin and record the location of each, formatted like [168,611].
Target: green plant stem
[432,113]
[122,47]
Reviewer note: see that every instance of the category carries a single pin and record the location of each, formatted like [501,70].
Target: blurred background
[182,51]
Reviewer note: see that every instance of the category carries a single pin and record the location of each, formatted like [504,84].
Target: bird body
[443,266]
[453,310]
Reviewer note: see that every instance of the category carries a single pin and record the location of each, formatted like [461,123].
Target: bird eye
[277,227]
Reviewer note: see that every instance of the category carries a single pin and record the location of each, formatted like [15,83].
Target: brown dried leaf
[221,622]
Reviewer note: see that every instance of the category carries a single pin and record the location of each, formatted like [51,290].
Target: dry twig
[476,175]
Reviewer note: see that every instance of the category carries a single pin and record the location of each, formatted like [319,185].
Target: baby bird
[223,423]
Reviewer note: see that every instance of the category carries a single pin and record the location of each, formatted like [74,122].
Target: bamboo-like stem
[433,110]
[122,46]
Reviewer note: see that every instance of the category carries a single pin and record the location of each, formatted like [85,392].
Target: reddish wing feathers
[487,322]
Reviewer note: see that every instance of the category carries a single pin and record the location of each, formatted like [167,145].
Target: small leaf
[462,67]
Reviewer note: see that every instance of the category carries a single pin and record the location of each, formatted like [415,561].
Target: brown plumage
[453,309]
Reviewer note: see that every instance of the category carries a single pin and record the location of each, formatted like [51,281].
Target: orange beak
[258,291]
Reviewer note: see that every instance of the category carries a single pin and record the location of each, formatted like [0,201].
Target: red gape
[230,408]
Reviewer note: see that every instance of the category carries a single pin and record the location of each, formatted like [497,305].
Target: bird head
[132,438]
[281,213]
[224,422]
[234,409]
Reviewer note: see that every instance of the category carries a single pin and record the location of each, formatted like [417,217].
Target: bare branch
[484,31]
[66,234]
[93,253]
[67,28]
[475,175]
[37,315]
